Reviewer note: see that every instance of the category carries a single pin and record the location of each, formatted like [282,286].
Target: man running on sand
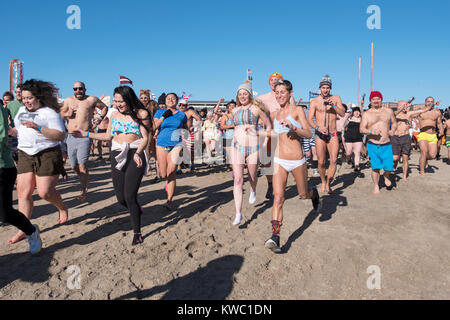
[379,124]
[401,140]
[78,111]
[324,109]
[427,138]
[270,101]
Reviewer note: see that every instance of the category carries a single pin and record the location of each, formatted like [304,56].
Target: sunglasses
[78,89]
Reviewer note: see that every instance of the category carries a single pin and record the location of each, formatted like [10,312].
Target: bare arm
[311,115]
[363,126]
[339,108]
[99,104]
[393,123]
[65,111]
[217,108]
[305,131]
[440,125]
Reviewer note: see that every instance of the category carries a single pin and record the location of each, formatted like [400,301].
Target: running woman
[245,144]
[40,131]
[8,174]
[128,130]
[290,125]
[169,122]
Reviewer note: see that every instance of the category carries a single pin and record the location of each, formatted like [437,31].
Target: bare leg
[279,186]
[321,149]
[376,179]
[405,167]
[423,156]
[333,148]
[46,187]
[26,183]
[357,146]
[387,180]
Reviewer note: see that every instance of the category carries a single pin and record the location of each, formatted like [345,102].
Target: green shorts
[46,163]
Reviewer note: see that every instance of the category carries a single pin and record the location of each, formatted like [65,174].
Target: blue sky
[204,47]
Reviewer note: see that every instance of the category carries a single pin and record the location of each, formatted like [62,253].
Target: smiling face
[231,106]
[272,82]
[120,104]
[376,102]
[144,99]
[282,95]
[19,94]
[30,101]
[6,99]
[244,97]
[171,101]
[79,90]
[429,102]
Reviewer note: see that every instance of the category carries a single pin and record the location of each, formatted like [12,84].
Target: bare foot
[322,188]
[423,174]
[328,188]
[18,237]
[405,178]
[63,216]
[376,191]
[82,197]
[387,182]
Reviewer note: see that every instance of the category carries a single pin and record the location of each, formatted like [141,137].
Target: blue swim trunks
[381,156]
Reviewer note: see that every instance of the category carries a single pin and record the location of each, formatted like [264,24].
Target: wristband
[40,128]
[370,132]
[317,128]
[87,134]
[333,106]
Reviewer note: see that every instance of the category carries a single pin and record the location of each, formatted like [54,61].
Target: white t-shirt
[31,141]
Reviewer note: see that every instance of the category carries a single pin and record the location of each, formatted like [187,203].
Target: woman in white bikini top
[290,125]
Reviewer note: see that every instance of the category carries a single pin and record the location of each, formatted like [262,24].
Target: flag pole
[359,82]
[371,68]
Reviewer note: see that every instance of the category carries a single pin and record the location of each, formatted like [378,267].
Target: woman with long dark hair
[40,130]
[128,130]
[8,174]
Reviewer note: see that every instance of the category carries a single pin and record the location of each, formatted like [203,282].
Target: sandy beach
[195,253]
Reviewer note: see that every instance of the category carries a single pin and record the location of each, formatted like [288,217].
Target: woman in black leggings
[128,128]
[8,174]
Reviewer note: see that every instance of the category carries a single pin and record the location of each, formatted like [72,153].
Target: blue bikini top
[278,128]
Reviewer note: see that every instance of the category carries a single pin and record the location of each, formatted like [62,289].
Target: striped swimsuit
[240,118]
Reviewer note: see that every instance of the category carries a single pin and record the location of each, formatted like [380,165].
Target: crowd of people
[270,134]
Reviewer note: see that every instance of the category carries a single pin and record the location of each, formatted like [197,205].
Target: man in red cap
[270,102]
[324,110]
[379,125]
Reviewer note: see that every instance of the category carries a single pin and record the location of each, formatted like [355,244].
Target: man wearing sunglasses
[78,111]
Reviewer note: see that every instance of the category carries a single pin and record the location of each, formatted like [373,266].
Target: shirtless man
[270,102]
[78,111]
[401,140]
[324,109]
[427,138]
[379,124]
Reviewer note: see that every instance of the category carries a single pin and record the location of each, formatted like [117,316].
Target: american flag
[249,71]
[185,97]
[125,80]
